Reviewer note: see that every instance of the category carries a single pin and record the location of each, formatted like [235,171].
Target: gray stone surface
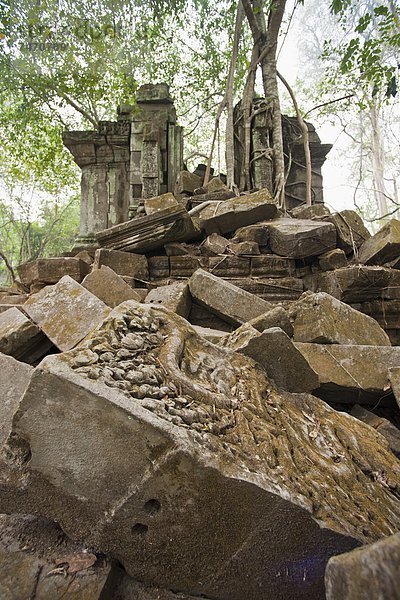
[382,425]
[227,301]
[237,212]
[368,573]
[253,233]
[66,312]
[109,287]
[334,259]
[155,481]
[50,270]
[275,352]
[322,319]
[153,205]
[383,247]
[14,379]
[351,231]
[123,263]
[21,338]
[360,283]
[175,297]
[276,317]
[316,211]
[214,244]
[351,373]
[394,377]
[300,238]
[187,182]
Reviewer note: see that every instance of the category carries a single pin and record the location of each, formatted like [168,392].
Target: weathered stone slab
[151,232]
[253,233]
[66,312]
[359,283]
[368,573]
[299,238]
[229,266]
[275,352]
[50,270]
[237,212]
[202,317]
[351,373]
[159,267]
[275,289]
[322,319]
[175,297]
[21,338]
[212,441]
[270,265]
[109,287]
[351,231]
[244,248]
[316,211]
[214,244]
[153,205]
[382,425]
[276,317]
[212,335]
[227,301]
[383,247]
[122,263]
[335,259]
[14,379]
[187,182]
[185,266]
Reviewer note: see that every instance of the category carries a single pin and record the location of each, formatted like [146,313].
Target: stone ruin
[204,405]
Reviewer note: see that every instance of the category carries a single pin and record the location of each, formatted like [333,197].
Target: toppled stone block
[316,211]
[394,377]
[244,248]
[66,312]
[212,335]
[185,266]
[153,205]
[159,267]
[351,231]
[237,212]
[199,447]
[122,263]
[274,289]
[297,238]
[253,233]
[322,319]
[50,270]
[351,373]
[14,379]
[270,265]
[275,352]
[368,573]
[334,259]
[382,425]
[179,249]
[109,287]
[14,299]
[198,199]
[175,297]
[359,283]
[214,244]
[21,338]
[383,247]
[276,317]
[229,266]
[227,301]
[187,183]
[214,185]
[151,232]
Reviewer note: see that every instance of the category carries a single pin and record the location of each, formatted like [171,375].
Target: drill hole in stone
[140,529]
[152,506]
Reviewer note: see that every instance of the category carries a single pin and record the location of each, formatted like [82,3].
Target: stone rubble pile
[206,405]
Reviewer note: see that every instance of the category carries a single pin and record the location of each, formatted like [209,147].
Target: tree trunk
[378,161]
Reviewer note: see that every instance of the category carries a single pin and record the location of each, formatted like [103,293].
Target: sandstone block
[21,338]
[66,312]
[185,266]
[154,476]
[368,573]
[335,259]
[383,247]
[253,233]
[359,283]
[14,379]
[187,182]
[298,238]
[175,297]
[274,289]
[224,299]
[109,287]
[244,248]
[351,231]
[316,211]
[122,263]
[270,265]
[214,244]
[322,319]
[229,266]
[382,425]
[394,377]
[50,270]
[275,352]
[159,267]
[153,205]
[212,335]
[351,373]
[237,212]
[276,317]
